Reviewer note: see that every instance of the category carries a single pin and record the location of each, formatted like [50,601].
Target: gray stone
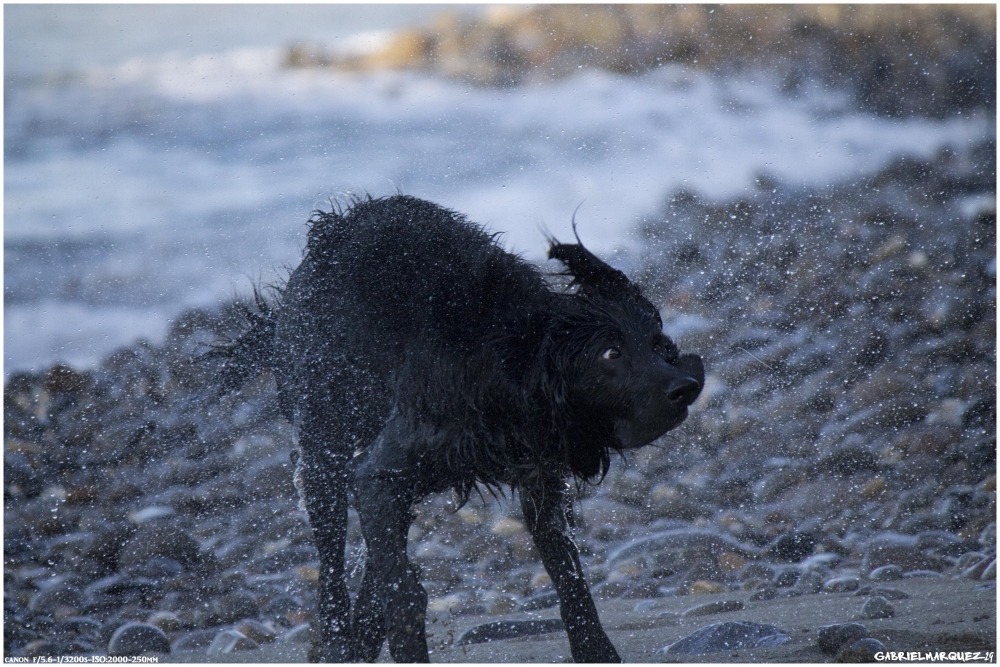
[193,641]
[300,634]
[810,582]
[863,650]
[495,630]
[887,593]
[901,550]
[764,594]
[833,637]
[231,641]
[889,572]
[256,631]
[717,607]
[56,598]
[841,585]
[877,607]
[728,636]
[922,574]
[166,541]
[138,638]
[235,606]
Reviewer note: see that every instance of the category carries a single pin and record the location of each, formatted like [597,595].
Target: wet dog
[415,355]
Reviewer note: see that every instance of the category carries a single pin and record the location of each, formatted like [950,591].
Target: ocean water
[147,176]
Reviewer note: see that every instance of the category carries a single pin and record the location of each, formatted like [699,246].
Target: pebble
[728,636]
[889,572]
[702,587]
[877,607]
[786,578]
[165,620]
[833,637]
[216,492]
[138,638]
[496,630]
[922,574]
[863,650]
[887,593]
[543,601]
[192,641]
[300,634]
[63,599]
[717,607]
[810,582]
[841,585]
[235,606]
[230,641]
[166,541]
[764,594]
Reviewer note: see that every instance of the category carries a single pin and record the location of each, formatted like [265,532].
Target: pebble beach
[831,497]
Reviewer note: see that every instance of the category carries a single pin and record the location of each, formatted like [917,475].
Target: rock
[684,545]
[235,606]
[703,587]
[230,641]
[968,559]
[786,578]
[841,585]
[810,582]
[847,460]
[165,541]
[889,572]
[991,571]
[877,607]
[65,600]
[717,607]
[728,636]
[901,550]
[542,601]
[988,538]
[921,574]
[833,637]
[764,594]
[887,593]
[863,650]
[192,641]
[793,547]
[42,648]
[165,620]
[270,478]
[256,631]
[300,634]
[138,638]
[976,571]
[495,630]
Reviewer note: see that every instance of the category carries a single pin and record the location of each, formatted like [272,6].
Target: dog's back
[392,296]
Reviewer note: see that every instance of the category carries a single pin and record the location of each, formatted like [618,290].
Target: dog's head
[628,379]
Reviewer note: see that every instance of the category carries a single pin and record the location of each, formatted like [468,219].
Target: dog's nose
[683,390]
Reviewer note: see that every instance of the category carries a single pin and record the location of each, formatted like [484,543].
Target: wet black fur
[415,355]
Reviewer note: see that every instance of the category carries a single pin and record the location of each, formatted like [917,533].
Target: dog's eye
[611,353]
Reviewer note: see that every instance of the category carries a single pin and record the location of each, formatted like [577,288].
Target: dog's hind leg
[324,474]
[385,490]
[368,619]
[546,510]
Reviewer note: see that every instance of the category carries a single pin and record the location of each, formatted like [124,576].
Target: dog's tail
[252,353]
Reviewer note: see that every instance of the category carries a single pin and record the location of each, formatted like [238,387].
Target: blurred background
[159,156]
[807,192]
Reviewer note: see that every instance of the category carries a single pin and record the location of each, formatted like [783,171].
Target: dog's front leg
[546,507]
[384,493]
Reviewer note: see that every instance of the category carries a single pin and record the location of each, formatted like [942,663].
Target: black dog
[415,355]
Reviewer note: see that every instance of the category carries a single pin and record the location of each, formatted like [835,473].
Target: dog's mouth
[635,433]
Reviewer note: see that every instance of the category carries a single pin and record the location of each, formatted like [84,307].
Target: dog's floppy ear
[594,277]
